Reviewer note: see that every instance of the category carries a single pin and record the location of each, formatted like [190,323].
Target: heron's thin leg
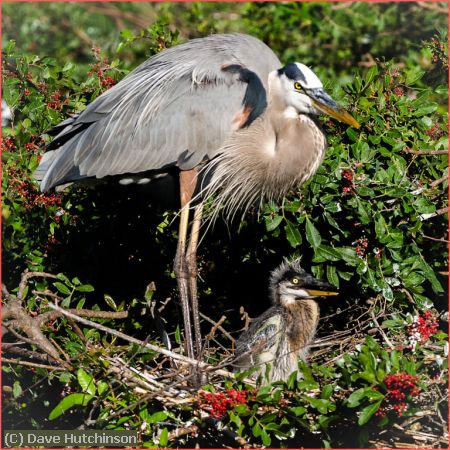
[191,260]
[182,279]
[187,186]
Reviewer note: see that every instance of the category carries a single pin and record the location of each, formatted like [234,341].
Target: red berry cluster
[347,177]
[439,51]
[435,132]
[401,388]
[107,82]
[100,68]
[399,90]
[42,87]
[361,246]
[423,327]
[32,198]
[34,144]
[8,144]
[217,404]
[55,101]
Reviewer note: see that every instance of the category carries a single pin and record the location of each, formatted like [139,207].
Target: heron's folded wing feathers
[181,99]
[262,337]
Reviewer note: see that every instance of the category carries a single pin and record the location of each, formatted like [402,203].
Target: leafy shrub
[372,222]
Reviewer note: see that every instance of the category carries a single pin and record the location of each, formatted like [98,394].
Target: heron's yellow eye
[295,280]
[297,86]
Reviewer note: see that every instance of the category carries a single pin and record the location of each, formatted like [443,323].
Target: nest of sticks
[172,377]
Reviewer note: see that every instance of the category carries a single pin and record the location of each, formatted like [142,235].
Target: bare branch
[152,347]
[26,275]
[386,339]
[439,212]
[31,364]
[426,152]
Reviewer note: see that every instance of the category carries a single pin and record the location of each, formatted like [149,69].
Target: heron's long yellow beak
[325,104]
[338,113]
[316,293]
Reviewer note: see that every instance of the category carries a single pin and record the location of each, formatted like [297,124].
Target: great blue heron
[282,334]
[220,112]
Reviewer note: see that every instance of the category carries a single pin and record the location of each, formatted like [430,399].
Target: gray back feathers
[179,102]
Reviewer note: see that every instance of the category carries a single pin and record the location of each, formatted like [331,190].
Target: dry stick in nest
[218,326]
[31,364]
[155,348]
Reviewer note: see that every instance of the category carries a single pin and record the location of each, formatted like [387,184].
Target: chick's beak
[325,104]
[316,288]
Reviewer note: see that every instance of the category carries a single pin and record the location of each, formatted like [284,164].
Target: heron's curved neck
[277,109]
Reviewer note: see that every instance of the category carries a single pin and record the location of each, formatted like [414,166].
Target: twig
[175,434]
[30,364]
[215,327]
[16,349]
[433,184]
[435,239]
[133,340]
[432,6]
[388,342]
[225,332]
[26,276]
[92,314]
[439,180]
[9,327]
[426,152]
[439,212]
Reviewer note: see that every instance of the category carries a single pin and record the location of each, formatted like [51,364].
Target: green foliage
[372,220]
[328,397]
[366,211]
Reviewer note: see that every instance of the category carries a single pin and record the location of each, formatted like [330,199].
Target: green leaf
[327,391]
[273,222]
[17,389]
[326,253]
[178,335]
[110,302]
[355,398]
[265,438]
[86,381]
[68,402]
[298,410]
[312,235]
[332,275]
[292,234]
[85,288]
[62,288]
[256,430]
[164,438]
[102,386]
[291,380]
[322,405]
[157,417]
[368,412]
[68,66]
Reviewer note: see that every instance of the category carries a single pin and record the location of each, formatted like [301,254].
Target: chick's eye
[295,280]
[297,86]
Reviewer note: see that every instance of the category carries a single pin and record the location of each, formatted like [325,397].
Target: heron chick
[282,334]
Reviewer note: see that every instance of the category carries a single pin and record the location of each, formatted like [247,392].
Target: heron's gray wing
[259,340]
[177,108]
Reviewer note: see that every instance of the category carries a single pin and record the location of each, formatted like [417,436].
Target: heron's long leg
[187,185]
[191,260]
[182,279]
